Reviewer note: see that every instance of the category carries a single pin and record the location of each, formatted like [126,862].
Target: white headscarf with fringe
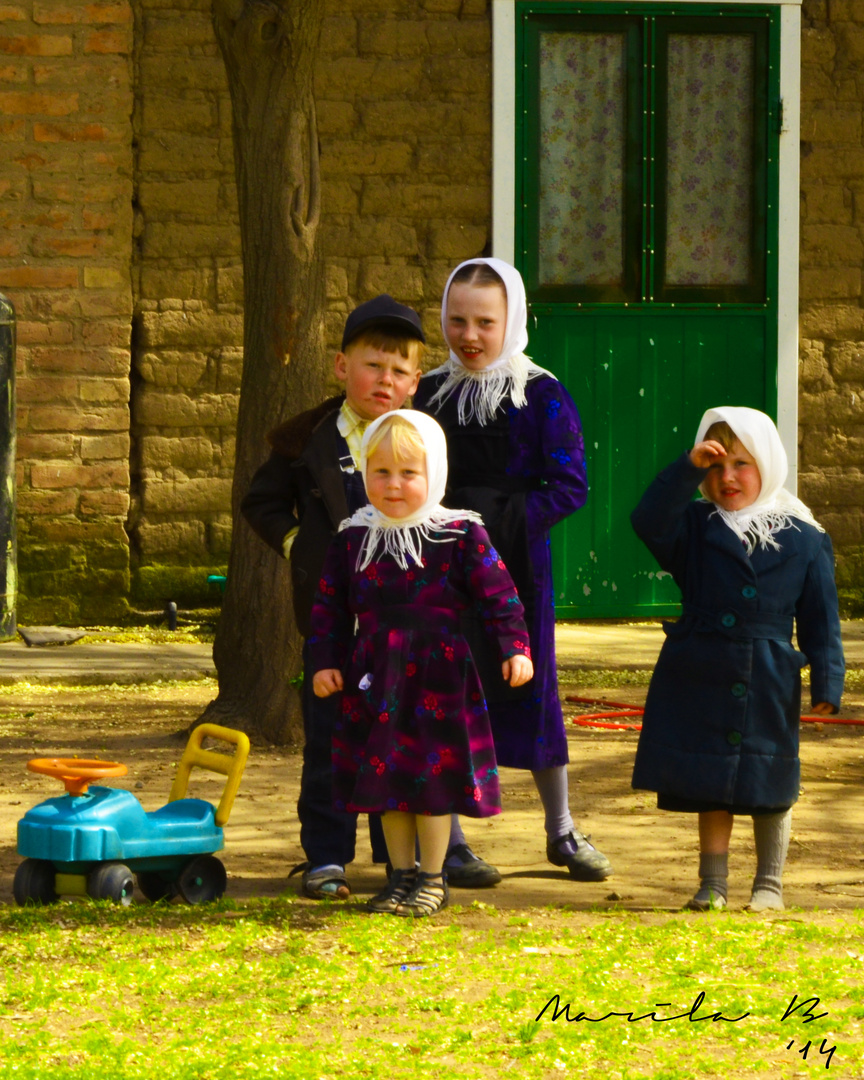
[775,507]
[481,392]
[403,538]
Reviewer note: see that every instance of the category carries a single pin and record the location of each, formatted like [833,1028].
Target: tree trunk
[269,48]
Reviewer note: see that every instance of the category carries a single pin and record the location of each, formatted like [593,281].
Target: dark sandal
[399,887]
[429,896]
[323,884]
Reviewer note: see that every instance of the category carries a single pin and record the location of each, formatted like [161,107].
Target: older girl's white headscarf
[481,392]
[757,523]
[403,537]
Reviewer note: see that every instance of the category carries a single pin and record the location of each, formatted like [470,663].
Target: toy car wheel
[34,883]
[154,886]
[111,881]
[202,880]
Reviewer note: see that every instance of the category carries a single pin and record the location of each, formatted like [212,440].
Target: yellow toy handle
[231,767]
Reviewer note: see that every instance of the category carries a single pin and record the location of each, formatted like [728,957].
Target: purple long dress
[523,472]
[414,730]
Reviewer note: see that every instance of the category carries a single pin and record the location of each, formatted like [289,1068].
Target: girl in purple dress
[414,738]
[517,457]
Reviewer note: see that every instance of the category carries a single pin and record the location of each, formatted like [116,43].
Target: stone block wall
[831,398]
[66,214]
[188,330]
[120,249]
[404,108]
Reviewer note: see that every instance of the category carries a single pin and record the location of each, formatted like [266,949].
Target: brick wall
[188,323]
[403,92]
[832,252]
[65,208]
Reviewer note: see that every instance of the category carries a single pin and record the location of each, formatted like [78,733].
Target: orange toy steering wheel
[76,773]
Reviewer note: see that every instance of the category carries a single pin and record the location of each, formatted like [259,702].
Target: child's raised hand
[705,454]
[823,708]
[327,681]
[517,670]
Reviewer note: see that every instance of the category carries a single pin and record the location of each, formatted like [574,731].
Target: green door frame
[505,166]
[781,264]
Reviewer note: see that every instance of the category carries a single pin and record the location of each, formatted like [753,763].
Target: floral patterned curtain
[582,143]
[709,159]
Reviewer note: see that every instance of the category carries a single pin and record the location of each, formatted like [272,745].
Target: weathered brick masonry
[66,212]
[121,252]
[832,251]
[403,96]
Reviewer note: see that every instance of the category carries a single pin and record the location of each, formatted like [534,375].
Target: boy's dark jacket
[721,719]
[301,484]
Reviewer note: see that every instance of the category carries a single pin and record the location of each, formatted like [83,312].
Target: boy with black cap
[295,503]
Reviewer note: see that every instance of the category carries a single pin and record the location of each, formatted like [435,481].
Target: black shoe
[468,872]
[582,859]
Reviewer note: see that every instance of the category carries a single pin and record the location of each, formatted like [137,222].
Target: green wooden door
[646,225]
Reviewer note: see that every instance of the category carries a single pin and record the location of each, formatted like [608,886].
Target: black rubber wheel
[111,881]
[202,880]
[34,883]
[154,886]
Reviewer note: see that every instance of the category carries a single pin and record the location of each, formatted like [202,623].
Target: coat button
[734,738]
[748,592]
[739,689]
[728,619]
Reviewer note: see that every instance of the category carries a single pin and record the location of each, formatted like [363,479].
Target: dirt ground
[654,854]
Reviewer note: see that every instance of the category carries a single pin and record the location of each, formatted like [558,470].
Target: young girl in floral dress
[414,738]
[517,457]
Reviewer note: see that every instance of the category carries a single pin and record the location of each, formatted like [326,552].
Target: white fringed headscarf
[481,392]
[774,507]
[403,537]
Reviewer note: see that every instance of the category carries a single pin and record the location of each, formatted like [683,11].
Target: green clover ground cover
[286,989]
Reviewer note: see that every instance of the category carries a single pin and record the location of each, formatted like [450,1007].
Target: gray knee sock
[713,874]
[771,833]
[552,787]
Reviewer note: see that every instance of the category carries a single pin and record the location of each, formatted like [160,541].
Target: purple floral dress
[523,472]
[414,730]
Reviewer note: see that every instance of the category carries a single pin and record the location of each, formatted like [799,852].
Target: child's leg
[429,895]
[434,835]
[400,832]
[771,833]
[715,832]
[326,835]
[565,845]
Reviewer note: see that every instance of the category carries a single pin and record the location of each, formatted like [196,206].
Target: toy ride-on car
[91,840]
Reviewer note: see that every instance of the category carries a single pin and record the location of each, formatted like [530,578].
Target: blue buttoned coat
[721,718]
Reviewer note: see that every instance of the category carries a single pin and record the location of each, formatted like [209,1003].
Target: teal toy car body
[90,841]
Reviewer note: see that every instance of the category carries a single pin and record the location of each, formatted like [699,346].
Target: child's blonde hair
[405,439]
[388,340]
[722,433]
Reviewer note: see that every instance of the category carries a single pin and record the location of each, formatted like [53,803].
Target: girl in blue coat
[720,733]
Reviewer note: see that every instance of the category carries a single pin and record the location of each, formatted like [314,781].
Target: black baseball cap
[383,311]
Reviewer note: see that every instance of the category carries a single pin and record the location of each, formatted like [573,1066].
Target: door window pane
[582,91]
[709,179]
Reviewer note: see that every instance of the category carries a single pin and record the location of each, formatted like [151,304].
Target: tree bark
[269,48]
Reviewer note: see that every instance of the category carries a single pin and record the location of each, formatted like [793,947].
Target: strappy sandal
[324,884]
[429,896]
[399,887]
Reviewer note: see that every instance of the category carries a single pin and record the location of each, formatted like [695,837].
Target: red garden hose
[602,719]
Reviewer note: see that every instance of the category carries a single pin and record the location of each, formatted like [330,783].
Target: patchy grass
[285,989]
